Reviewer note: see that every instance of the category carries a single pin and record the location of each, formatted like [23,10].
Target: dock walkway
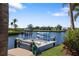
[19,52]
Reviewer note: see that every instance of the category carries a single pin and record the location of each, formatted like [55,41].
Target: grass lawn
[56,51]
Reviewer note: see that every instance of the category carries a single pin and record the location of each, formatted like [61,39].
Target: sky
[40,14]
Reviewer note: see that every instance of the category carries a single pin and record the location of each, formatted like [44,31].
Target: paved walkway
[19,52]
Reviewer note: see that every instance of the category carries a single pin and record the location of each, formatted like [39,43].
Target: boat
[41,44]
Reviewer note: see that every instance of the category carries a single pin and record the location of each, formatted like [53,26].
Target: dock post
[15,43]
[19,43]
[53,40]
[53,44]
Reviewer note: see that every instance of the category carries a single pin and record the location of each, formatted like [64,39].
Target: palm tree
[76,9]
[15,20]
[73,7]
[14,23]
[11,23]
[71,16]
[3,29]
[15,26]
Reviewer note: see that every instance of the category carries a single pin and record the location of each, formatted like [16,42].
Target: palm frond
[11,23]
[76,9]
[76,15]
[74,6]
[14,20]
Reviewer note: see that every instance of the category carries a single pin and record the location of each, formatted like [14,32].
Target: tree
[13,23]
[48,28]
[43,28]
[37,27]
[15,20]
[30,27]
[71,16]
[73,7]
[59,27]
[76,9]
[4,29]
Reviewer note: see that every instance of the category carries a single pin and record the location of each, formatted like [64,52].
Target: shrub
[72,39]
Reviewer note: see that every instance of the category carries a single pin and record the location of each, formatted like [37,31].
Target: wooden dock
[19,52]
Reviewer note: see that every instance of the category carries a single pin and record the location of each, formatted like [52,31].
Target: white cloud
[63,12]
[15,6]
[65,9]
[59,14]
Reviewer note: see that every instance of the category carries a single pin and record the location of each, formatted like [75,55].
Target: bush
[72,39]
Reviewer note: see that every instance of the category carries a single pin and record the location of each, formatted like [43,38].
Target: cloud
[59,14]
[65,9]
[16,6]
[63,12]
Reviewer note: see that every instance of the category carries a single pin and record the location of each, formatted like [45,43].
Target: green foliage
[59,27]
[30,27]
[76,15]
[72,39]
[44,28]
[15,20]
[13,23]
[12,31]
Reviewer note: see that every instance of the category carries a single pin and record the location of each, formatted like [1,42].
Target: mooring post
[54,42]
[19,43]
[15,43]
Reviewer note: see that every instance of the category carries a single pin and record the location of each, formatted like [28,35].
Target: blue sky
[40,14]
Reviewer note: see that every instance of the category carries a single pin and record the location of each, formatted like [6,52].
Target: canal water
[59,37]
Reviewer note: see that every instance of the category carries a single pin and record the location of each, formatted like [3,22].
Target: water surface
[46,36]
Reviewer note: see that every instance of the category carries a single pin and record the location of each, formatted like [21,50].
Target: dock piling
[15,44]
